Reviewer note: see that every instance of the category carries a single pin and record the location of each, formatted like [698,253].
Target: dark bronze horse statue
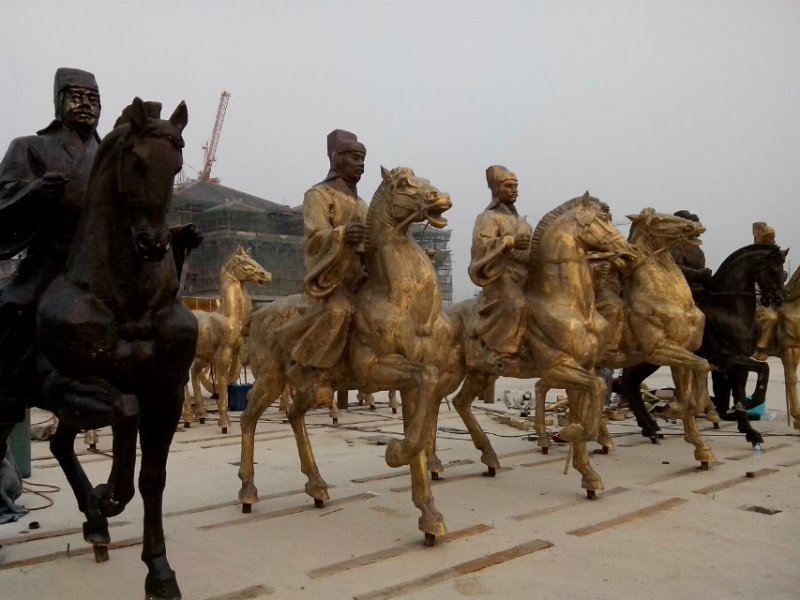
[728,301]
[114,343]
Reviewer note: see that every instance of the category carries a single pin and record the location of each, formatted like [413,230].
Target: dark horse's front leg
[737,376]
[631,384]
[161,412]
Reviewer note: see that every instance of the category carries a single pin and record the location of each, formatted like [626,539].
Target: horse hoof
[661,436]
[202,420]
[490,472]
[224,430]
[654,439]
[318,503]
[247,508]
[162,589]
[100,553]
[704,465]
[335,421]
[372,407]
[394,411]
[545,449]
[716,425]
[591,494]
[435,475]
[604,450]
[187,424]
[430,539]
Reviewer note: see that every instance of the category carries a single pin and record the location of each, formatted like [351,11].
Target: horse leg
[473,384]
[632,378]
[738,375]
[187,415]
[417,419]
[62,446]
[199,406]
[585,394]
[431,521]
[303,400]
[263,393]
[221,368]
[540,393]
[157,425]
[790,357]
[393,403]
[691,402]
[721,387]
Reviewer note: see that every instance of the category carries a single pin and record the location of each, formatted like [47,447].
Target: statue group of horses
[116,344]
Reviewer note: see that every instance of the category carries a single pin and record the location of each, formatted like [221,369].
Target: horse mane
[792,288]
[377,202]
[106,151]
[736,254]
[547,220]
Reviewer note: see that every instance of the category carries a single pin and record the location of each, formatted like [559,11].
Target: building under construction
[272,234]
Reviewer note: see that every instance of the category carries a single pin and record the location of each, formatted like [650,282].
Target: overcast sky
[671,104]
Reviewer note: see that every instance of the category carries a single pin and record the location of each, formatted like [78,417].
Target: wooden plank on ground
[43,558]
[643,513]
[732,482]
[256,591]
[675,475]
[765,449]
[549,510]
[46,535]
[420,583]
[373,557]
[286,511]
[442,480]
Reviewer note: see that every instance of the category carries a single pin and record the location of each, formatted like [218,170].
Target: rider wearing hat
[43,180]
[334,220]
[500,243]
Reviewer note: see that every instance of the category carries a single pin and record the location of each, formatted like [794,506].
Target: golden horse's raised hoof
[100,553]
[430,539]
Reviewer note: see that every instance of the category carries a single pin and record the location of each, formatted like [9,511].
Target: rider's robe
[500,270]
[44,229]
[333,272]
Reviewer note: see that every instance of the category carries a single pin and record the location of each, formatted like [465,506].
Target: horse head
[659,230]
[410,199]
[770,275]
[595,230]
[242,267]
[149,158]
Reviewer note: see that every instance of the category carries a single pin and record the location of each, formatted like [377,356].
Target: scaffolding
[272,234]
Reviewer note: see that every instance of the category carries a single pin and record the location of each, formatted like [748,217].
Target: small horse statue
[220,333]
[114,343]
[565,334]
[729,303]
[401,339]
[786,343]
[660,325]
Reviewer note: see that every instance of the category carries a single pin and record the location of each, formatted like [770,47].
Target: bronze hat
[340,140]
[66,78]
[497,174]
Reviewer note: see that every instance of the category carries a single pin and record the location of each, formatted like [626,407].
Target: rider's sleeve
[324,245]
[20,218]
[489,249]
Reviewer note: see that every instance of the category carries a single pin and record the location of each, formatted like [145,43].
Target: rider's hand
[522,241]
[355,233]
[51,185]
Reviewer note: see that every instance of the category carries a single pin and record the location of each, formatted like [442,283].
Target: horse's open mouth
[694,240]
[263,279]
[435,218]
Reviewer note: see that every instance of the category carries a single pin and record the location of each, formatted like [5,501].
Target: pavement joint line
[746,455]
[33,537]
[256,591]
[43,558]
[790,463]
[540,512]
[238,441]
[373,557]
[454,571]
[546,461]
[397,473]
[675,474]
[250,518]
[207,507]
[442,480]
[647,511]
[732,482]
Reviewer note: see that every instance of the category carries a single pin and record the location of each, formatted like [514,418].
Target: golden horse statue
[565,334]
[660,325]
[400,339]
[786,343]
[220,335]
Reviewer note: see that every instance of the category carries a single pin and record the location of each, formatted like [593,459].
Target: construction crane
[210,147]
